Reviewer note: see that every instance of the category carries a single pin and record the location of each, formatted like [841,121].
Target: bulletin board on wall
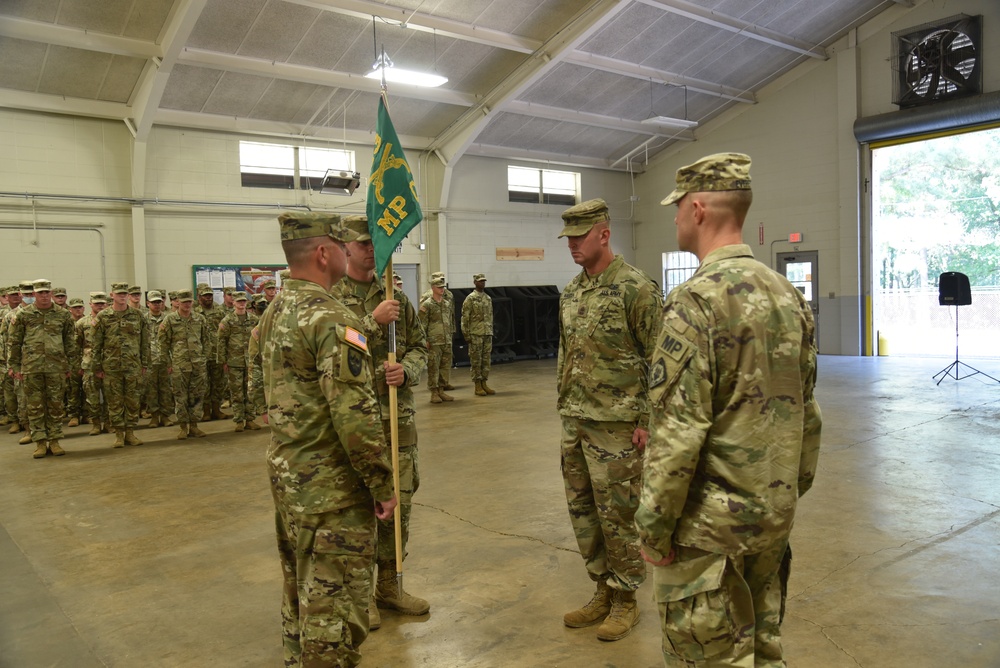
[249,278]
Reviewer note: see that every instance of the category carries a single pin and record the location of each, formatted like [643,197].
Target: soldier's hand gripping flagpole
[393,210]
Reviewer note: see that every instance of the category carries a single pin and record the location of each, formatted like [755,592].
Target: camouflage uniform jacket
[234,339]
[84,329]
[411,343]
[449,320]
[4,310]
[121,341]
[41,341]
[735,429]
[327,447]
[607,330]
[477,315]
[434,316]
[156,357]
[213,317]
[255,376]
[183,341]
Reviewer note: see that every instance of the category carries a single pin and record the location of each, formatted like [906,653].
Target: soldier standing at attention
[362,292]
[734,433]
[41,345]
[608,320]
[135,297]
[174,304]
[330,470]
[19,405]
[434,316]
[444,368]
[5,378]
[159,398]
[96,405]
[217,385]
[120,359]
[59,297]
[74,385]
[227,299]
[184,338]
[477,328]
[234,341]
[270,290]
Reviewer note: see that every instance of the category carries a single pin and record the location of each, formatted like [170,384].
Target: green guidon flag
[393,208]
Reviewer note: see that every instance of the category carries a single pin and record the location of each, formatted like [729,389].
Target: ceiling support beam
[645,73]
[364,9]
[57,104]
[695,13]
[317,76]
[569,160]
[594,120]
[153,81]
[75,38]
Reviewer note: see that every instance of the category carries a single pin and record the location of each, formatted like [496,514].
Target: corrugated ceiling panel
[21,60]
[189,87]
[224,24]
[121,79]
[73,72]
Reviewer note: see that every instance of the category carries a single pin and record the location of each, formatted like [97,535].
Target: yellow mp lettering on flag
[392,206]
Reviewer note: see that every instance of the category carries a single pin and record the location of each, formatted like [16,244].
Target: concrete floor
[164,555]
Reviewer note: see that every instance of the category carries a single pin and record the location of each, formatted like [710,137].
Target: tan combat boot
[435,396]
[40,450]
[486,388]
[445,397]
[251,425]
[217,414]
[131,438]
[25,439]
[206,415]
[155,421]
[95,428]
[596,610]
[389,595]
[194,431]
[15,427]
[374,617]
[106,427]
[623,616]
[74,422]
[119,438]
[183,433]
[447,386]
[55,449]
[4,420]
[239,427]
[480,392]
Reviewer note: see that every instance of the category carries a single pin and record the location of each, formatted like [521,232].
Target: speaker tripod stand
[954,370]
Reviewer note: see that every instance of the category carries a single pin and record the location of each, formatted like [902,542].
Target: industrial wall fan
[938,61]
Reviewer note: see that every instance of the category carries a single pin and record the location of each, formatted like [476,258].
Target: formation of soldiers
[124,360]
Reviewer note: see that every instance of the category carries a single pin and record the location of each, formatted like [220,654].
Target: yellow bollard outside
[883,345]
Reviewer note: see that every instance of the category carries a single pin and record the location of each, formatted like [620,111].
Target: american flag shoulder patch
[356,338]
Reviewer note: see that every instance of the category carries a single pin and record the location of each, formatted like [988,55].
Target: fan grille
[937,61]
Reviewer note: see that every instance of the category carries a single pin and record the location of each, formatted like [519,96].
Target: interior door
[801,268]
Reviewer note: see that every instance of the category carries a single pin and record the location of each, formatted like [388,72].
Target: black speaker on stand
[954,290]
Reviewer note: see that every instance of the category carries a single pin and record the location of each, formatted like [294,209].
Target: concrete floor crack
[495,531]
[822,629]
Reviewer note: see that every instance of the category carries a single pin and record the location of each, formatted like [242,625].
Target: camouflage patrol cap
[478,277]
[172,294]
[26,287]
[716,172]
[359,226]
[206,290]
[184,296]
[305,225]
[269,283]
[239,296]
[396,277]
[284,274]
[154,296]
[119,288]
[43,285]
[3,291]
[98,298]
[438,282]
[228,291]
[135,289]
[74,302]
[580,219]
[58,292]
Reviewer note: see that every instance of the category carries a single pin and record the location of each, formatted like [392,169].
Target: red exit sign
[795,238]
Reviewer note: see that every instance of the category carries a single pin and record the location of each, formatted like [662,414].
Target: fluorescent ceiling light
[671,122]
[340,183]
[401,76]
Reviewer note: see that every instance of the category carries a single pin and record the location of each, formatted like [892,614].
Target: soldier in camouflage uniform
[10,302]
[120,359]
[362,292]
[16,404]
[217,384]
[159,396]
[608,321]
[41,344]
[234,341]
[435,315]
[330,469]
[734,433]
[447,357]
[93,387]
[184,338]
[228,302]
[59,297]
[269,289]
[74,385]
[174,304]
[477,328]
